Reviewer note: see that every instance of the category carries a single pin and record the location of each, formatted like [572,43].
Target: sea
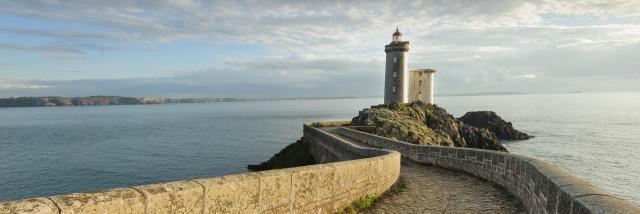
[58,150]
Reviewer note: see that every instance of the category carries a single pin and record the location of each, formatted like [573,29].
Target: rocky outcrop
[421,123]
[295,154]
[490,120]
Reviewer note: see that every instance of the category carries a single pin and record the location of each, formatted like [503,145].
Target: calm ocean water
[47,151]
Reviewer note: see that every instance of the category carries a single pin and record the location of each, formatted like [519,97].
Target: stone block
[493,160]
[313,187]
[501,158]
[376,170]
[173,197]
[564,202]
[344,177]
[231,194]
[470,154]
[479,156]
[444,152]
[434,151]
[275,191]
[460,153]
[552,197]
[31,206]
[486,157]
[413,151]
[423,150]
[121,200]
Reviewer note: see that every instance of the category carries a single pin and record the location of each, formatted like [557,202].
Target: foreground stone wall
[541,187]
[322,188]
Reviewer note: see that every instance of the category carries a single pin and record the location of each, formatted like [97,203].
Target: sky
[269,49]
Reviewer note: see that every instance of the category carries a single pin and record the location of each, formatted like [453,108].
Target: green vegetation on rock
[425,124]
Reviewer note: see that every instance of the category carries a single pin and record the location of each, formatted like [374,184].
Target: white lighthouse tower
[396,86]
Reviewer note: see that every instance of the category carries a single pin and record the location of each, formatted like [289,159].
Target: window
[420,83]
[393,89]
[419,92]
[395,59]
[394,74]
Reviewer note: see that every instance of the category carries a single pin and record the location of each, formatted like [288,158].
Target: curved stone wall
[541,187]
[322,188]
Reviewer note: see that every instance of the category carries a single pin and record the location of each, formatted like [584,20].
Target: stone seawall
[541,187]
[322,188]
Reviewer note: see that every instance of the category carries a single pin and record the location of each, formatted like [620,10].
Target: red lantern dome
[397,36]
[397,33]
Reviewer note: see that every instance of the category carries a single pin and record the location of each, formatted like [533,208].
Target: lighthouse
[396,86]
[400,85]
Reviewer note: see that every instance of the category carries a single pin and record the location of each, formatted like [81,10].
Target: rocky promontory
[416,123]
[427,124]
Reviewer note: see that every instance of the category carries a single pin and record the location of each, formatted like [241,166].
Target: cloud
[297,25]
[599,44]
[485,45]
[526,76]
[8,85]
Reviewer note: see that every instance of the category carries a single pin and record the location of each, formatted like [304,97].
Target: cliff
[420,123]
[295,154]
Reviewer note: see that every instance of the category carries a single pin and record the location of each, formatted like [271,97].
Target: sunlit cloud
[8,85]
[526,76]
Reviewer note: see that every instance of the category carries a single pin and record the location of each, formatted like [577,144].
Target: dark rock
[490,120]
[427,124]
[295,154]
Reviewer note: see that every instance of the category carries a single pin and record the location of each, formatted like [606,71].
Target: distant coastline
[52,101]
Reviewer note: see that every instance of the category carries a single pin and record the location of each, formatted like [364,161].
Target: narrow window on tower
[394,74]
[395,59]
[420,83]
[393,89]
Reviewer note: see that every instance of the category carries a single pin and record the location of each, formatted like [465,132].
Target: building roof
[424,70]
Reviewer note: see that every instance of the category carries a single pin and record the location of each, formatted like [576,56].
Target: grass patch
[398,187]
[359,205]
[367,201]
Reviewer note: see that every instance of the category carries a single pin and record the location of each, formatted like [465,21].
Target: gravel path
[436,190]
[432,189]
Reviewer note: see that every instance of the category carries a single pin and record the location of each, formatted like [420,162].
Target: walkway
[432,189]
